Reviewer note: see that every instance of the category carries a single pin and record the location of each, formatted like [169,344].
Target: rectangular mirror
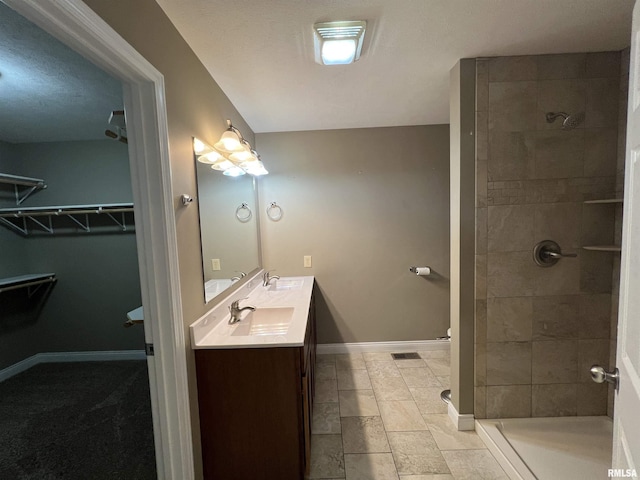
[228,209]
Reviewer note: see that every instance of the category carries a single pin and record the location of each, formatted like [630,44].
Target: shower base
[550,448]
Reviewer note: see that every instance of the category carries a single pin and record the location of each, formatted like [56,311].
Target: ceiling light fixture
[338,43]
[232,154]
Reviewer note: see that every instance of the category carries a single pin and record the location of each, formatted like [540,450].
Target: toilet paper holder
[421,271]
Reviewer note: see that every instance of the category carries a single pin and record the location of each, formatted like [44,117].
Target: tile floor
[379,419]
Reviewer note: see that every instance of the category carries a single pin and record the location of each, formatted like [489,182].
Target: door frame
[80,28]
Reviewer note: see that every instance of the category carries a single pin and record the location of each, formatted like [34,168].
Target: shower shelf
[26,281]
[32,185]
[78,214]
[606,200]
[603,248]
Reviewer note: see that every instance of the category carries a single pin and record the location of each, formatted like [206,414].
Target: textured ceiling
[47,91]
[261,52]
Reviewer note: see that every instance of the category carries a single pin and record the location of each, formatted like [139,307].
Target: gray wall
[16,263]
[538,330]
[97,273]
[366,204]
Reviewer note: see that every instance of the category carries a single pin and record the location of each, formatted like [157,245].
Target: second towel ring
[243,213]
[274,211]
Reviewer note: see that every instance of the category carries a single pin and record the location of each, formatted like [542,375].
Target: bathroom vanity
[256,384]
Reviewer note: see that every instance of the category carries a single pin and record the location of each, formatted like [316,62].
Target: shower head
[570,121]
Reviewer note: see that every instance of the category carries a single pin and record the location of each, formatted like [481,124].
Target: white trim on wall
[461,421]
[79,27]
[404,346]
[59,357]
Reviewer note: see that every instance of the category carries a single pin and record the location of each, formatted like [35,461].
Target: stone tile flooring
[376,418]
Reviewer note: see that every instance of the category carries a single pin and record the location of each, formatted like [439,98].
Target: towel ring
[243,213]
[274,211]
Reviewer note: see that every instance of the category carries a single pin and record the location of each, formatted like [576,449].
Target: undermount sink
[286,284]
[265,321]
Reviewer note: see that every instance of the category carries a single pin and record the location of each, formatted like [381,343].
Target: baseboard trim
[59,357]
[462,421]
[406,346]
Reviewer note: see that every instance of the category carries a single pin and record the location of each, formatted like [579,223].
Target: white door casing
[80,28]
[626,427]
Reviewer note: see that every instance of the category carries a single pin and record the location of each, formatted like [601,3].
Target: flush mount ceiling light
[338,43]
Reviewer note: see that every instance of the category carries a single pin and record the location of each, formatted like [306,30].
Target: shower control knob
[600,375]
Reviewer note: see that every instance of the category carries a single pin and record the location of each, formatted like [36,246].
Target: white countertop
[212,330]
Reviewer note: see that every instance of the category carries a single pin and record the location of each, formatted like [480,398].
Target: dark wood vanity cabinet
[256,406]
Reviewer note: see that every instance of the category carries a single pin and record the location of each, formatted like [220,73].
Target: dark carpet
[89,420]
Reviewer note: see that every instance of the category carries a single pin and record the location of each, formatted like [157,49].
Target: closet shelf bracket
[28,184]
[31,282]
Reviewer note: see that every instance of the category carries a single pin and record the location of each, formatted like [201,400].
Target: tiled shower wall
[539,330]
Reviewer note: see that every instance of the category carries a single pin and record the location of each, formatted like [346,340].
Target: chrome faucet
[235,311]
[267,277]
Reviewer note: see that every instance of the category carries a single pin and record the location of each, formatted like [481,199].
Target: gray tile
[482,85]
[556,317]
[557,400]
[481,230]
[592,399]
[350,361]
[562,279]
[364,435]
[559,154]
[420,377]
[481,277]
[603,64]
[596,270]
[373,466]
[595,316]
[441,476]
[509,363]
[553,67]
[401,416]
[600,152]
[326,391]
[480,364]
[602,102]
[377,357]
[428,399]
[481,321]
[592,352]
[439,366]
[509,69]
[474,465]
[510,274]
[325,371]
[598,225]
[554,362]
[481,181]
[382,369]
[358,403]
[509,319]
[445,381]
[326,418]
[416,453]
[410,363]
[559,222]
[322,359]
[353,380]
[509,401]
[442,353]
[510,228]
[568,96]
[480,402]
[511,155]
[448,437]
[327,459]
[512,106]
[391,388]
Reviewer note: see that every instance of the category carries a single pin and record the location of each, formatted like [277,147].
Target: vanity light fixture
[232,154]
[338,43]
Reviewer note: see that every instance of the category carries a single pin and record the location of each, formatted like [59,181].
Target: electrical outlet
[307,261]
[215,264]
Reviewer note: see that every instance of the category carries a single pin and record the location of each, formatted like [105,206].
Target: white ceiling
[261,52]
[47,91]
